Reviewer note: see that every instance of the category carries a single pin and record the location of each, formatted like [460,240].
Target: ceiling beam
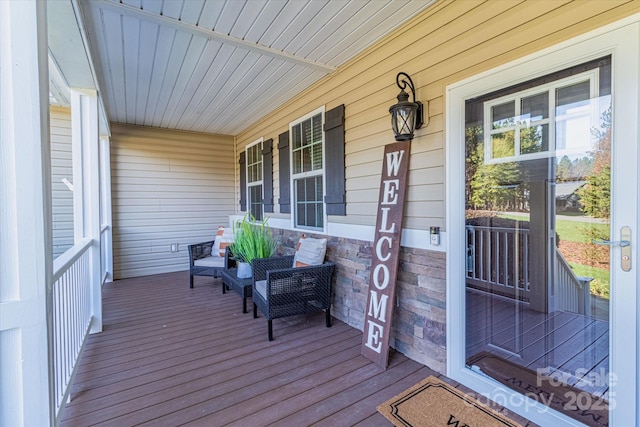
[165,21]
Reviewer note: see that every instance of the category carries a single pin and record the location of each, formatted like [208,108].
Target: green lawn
[582,232]
[573,231]
[600,283]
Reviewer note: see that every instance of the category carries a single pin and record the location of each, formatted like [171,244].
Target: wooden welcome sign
[386,251]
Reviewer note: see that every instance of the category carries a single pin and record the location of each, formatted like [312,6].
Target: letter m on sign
[384,264]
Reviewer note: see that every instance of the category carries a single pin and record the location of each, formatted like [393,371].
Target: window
[254,179]
[307,171]
[539,122]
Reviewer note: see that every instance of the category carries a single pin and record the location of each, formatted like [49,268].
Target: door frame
[621,41]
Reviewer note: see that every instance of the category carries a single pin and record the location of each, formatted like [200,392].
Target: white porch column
[26,386]
[86,188]
[105,209]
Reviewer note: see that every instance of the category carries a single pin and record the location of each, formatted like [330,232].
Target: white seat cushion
[210,261]
[261,287]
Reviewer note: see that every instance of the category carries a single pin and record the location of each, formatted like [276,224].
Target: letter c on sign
[379,248]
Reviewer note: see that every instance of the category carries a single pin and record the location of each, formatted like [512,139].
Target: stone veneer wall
[419,314]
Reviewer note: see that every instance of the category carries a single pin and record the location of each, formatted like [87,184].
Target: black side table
[244,287]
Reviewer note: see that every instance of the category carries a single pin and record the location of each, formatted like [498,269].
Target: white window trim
[321,171]
[591,75]
[621,41]
[254,183]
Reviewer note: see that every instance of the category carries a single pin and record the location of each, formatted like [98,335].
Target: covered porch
[97,319]
[170,355]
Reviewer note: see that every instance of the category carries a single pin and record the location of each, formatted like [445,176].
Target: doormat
[433,402]
[571,401]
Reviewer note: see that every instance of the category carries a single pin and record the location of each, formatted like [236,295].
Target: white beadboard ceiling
[218,66]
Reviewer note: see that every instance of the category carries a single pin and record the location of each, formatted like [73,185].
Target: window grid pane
[536,124]
[310,209]
[307,145]
[255,201]
[254,163]
[307,165]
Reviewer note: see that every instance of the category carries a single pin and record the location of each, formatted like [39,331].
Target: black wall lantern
[406,116]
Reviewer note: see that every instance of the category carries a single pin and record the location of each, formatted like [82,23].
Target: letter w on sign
[384,264]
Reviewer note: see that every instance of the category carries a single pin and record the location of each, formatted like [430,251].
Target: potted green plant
[252,240]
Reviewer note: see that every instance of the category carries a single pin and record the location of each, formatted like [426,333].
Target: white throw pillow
[310,251]
[225,240]
[215,251]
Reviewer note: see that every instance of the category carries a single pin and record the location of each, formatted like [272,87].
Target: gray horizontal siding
[167,187]
[61,167]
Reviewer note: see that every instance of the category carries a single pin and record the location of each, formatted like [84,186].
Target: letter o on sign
[385,276]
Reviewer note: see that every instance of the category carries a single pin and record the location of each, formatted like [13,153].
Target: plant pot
[244,270]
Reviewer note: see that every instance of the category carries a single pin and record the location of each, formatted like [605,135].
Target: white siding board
[208,102]
[246,86]
[210,14]
[131,33]
[188,71]
[148,31]
[172,8]
[229,16]
[178,49]
[312,18]
[191,11]
[167,187]
[263,22]
[242,24]
[281,21]
[197,83]
[113,22]
[210,82]
[162,52]
[334,26]
[348,40]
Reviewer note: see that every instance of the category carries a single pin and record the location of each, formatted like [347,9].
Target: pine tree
[596,194]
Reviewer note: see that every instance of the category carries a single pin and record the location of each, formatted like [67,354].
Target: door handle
[602,242]
[625,247]
[625,260]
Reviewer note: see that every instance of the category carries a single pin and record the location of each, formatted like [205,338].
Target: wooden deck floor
[170,355]
[559,341]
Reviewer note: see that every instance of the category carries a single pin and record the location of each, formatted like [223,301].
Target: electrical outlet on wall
[174,247]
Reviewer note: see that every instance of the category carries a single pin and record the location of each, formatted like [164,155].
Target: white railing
[498,261]
[71,316]
[572,293]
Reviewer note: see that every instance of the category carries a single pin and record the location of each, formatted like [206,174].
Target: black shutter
[243,181]
[285,179]
[267,175]
[335,198]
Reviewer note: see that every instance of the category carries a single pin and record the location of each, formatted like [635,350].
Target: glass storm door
[537,227]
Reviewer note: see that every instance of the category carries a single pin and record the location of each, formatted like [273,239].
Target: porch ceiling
[218,66]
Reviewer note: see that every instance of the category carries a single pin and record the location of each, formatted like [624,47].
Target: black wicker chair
[280,290]
[200,251]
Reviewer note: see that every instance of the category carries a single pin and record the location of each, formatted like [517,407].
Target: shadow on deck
[170,355]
